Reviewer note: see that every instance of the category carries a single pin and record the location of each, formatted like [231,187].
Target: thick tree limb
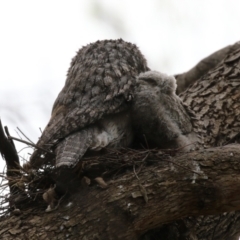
[186,79]
[210,186]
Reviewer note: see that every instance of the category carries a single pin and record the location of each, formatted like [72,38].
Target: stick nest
[31,184]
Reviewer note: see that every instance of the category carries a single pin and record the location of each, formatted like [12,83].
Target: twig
[22,141]
[135,173]
[25,135]
[31,144]
[140,168]
[18,134]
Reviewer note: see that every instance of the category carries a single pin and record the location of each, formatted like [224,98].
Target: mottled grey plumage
[159,116]
[99,86]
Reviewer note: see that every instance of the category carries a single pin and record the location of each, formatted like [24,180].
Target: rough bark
[215,99]
[168,197]
[188,78]
[198,183]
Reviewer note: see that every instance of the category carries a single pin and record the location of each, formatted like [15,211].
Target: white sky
[39,38]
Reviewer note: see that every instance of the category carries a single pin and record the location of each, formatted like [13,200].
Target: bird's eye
[150,81]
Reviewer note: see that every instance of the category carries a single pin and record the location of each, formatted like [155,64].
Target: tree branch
[206,183]
[186,79]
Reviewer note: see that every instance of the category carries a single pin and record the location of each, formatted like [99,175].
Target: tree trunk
[172,193]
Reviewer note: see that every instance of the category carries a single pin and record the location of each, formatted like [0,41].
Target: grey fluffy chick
[160,118]
[92,110]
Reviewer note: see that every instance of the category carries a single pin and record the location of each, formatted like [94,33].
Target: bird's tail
[72,148]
